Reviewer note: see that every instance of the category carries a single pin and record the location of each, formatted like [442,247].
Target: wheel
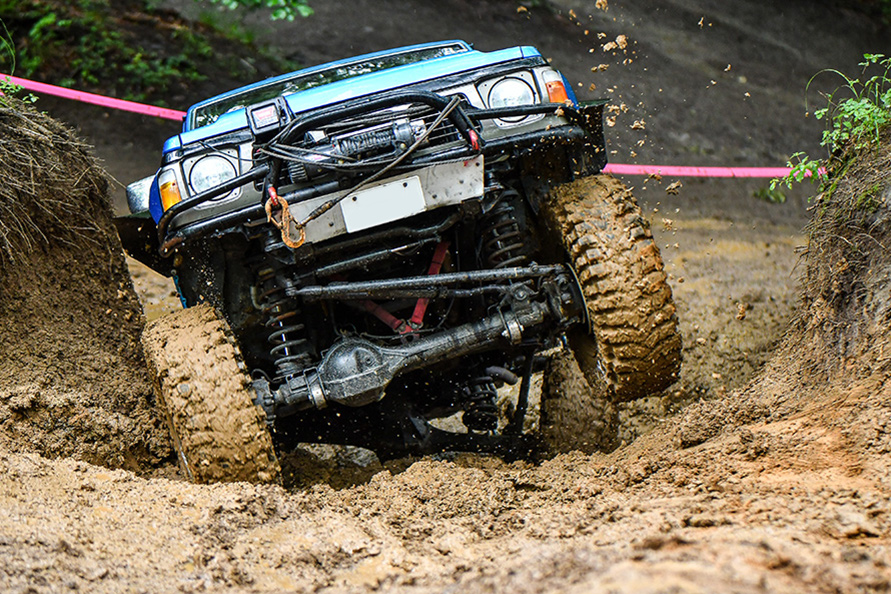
[219,433]
[574,414]
[632,343]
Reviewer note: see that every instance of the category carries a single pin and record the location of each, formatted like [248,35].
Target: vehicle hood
[360,86]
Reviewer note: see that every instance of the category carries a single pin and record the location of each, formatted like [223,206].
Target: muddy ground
[765,469]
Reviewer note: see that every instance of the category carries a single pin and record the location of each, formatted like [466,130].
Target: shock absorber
[289,348]
[480,412]
[503,239]
[503,245]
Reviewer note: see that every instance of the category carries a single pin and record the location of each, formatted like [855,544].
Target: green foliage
[858,119]
[123,47]
[7,87]
[232,30]
[802,168]
[870,200]
[281,9]
[771,194]
[83,38]
[852,123]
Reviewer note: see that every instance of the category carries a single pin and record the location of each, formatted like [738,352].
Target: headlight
[511,92]
[209,172]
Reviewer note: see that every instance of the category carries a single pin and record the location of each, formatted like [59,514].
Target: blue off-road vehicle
[369,245]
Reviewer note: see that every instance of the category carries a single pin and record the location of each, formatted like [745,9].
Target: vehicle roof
[358,86]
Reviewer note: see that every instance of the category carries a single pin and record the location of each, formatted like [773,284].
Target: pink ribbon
[615,168]
[681,171]
[84,97]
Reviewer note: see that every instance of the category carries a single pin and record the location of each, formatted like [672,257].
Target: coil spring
[480,412]
[503,240]
[290,350]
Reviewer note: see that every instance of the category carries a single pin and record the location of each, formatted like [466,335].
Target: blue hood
[359,86]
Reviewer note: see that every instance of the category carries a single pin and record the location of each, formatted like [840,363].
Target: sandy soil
[741,478]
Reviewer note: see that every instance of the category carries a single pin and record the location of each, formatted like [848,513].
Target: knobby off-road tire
[574,414]
[633,346]
[219,433]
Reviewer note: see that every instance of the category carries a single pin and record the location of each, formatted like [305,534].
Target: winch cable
[276,200]
[350,167]
[301,155]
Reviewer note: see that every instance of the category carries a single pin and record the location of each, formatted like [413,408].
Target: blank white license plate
[383,204]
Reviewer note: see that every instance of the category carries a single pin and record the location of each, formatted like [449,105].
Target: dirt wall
[72,378]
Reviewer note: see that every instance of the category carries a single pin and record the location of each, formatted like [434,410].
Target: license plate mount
[383,204]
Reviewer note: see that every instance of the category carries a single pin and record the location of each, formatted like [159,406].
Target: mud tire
[633,343]
[219,434]
[574,414]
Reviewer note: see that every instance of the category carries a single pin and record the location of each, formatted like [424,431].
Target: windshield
[210,112]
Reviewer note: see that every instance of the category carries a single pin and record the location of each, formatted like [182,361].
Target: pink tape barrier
[616,168]
[680,171]
[84,97]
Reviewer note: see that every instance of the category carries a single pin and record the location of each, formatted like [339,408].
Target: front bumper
[579,132]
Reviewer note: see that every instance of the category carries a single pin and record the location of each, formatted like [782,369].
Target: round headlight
[511,92]
[209,172]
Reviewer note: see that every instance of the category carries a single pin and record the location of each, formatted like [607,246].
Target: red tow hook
[273,197]
[474,139]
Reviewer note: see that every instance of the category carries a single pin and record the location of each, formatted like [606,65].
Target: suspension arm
[421,286]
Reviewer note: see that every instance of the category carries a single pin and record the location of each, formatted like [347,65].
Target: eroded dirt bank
[791,495]
[72,378]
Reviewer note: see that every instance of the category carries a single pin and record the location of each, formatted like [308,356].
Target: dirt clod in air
[72,378]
